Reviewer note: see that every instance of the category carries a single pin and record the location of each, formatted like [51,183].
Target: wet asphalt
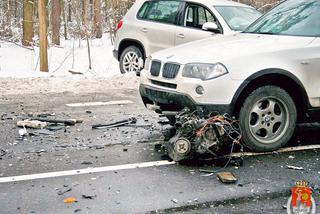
[263,184]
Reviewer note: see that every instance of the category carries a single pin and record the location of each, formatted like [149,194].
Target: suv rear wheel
[267,118]
[129,59]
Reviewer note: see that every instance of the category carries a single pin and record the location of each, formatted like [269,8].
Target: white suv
[268,76]
[154,25]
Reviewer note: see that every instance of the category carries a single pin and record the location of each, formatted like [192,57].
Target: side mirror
[211,26]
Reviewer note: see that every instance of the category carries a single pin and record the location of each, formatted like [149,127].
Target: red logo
[301,200]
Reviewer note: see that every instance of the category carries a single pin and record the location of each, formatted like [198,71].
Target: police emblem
[301,200]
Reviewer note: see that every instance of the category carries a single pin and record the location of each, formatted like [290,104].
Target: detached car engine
[198,134]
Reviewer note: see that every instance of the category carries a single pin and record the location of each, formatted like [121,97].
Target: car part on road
[199,134]
[227,177]
[295,167]
[35,124]
[129,121]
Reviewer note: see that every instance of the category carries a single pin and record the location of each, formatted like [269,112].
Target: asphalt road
[263,185]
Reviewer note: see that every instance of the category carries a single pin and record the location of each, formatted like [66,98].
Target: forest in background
[24,21]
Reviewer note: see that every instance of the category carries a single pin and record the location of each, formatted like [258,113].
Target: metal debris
[295,167]
[88,196]
[227,177]
[197,134]
[63,190]
[131,120]
[35,124]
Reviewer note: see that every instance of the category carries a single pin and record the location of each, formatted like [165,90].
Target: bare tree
[97,18]
[43,35]
[56,21]
[27,22]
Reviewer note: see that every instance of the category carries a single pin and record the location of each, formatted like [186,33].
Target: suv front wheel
[267,118]
[129,60]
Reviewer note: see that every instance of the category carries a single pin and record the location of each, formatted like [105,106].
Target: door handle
[180,35]
[145,30]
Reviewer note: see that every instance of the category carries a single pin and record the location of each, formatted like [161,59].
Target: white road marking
[282,150]
[83,171]
[115,102]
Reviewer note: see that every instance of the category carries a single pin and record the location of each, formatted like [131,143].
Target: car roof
[214,2]
[221,3]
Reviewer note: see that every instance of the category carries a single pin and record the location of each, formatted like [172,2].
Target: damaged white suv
[268,76]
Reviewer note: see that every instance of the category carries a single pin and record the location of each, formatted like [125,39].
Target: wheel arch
[131,42]
[277,77]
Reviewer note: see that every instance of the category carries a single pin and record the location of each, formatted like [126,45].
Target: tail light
[119,24]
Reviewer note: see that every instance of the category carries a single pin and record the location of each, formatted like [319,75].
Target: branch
[31,49]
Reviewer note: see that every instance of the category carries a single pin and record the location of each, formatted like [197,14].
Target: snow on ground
[19,69]
[72,54]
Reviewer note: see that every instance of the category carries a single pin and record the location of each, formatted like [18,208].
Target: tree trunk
[43,35]
[27,22]
[65,25]
[69,11]
[97,19]
[85,18]
[56,21]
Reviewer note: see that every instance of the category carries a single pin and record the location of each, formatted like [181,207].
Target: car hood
[220,49]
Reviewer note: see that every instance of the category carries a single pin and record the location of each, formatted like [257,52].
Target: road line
[282,150]
[83,171]
[88,104]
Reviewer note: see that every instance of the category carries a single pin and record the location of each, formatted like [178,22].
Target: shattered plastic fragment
[69,200]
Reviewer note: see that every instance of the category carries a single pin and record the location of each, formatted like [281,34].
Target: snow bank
[19,69]
[18,62]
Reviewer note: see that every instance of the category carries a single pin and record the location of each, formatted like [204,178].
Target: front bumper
[175,101]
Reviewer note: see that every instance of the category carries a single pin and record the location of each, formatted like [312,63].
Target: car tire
[267,119]
[129,60]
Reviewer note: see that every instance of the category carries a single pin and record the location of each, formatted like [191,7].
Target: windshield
[292,17]
[238,18]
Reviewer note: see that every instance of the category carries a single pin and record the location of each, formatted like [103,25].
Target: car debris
[69,200]
[295,167]
[69,122]
[227,177]
[23,132]
[198,134]
[129,121]
[35,124]
[2,152]
[88,196]
[63,190]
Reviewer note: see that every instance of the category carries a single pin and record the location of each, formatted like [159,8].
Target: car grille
[164,84]
[170,70]
[155,68]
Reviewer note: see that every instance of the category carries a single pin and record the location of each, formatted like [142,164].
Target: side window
[162,11]
[202,16]
[142,10]
[197,15]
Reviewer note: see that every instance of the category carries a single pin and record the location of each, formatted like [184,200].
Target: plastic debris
[69,200]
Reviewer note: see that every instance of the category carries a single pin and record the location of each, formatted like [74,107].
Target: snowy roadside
[19,69]
[19,62]
[75,84]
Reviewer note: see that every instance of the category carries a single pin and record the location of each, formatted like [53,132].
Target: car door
[311,64]
[159,21]
[194,16]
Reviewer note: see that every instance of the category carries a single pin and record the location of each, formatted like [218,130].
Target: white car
[268,76]
[153,25]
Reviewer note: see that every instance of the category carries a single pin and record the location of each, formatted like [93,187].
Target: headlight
[204,71]
[147,63]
